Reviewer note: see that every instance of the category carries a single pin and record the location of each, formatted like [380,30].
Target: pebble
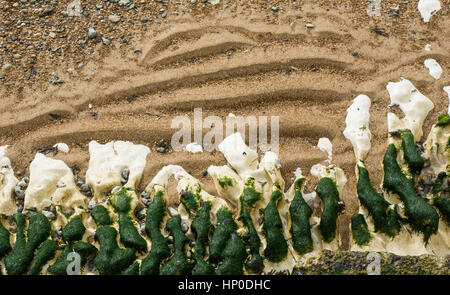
[23,183]
[115,189]
[106,41]
[164,15]
[173,211]
[92,204]
[79,180]
[184,227]
[310,26]
[114,18]
[17,56]
[161,150]
[144,19]
[124,2]
[140,214]
[125,173]
[146,202]
[52,35]
[50,215]
[20,209]
[275,9]
[7,66]
[92,33]
[142,227]
[85,188]
[20,194]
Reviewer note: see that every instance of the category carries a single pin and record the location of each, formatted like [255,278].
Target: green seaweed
[178,263]
[201,225]
[191,201]
[438,183]
[20,258]
[327,191]
[360,230]
[225,181]
[385,219]
[443,204]
[420,215]
[277,247]
[234,255]
[443,120]
[74,230]
[132,270]
[300,214]
[111,259]
[5,245]
[44,254]
[248,199]
[159,249]
[101,215]
[128,232]
[129,235]
[224,227]
[85,250]
[412,156]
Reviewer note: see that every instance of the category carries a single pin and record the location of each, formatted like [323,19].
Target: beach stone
[114,18]
[92,33]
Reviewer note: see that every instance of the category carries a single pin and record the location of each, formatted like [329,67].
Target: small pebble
[173,211]
[125,173]
[146,202]
[161,150]
[115,189]
[92,33]
[114,18]
[20,194]
[85,188]
[50,215]
[184,227]
[92,204]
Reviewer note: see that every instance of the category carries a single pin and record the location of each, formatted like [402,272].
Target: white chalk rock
[434,68]
[428,8]
[414,105]
[238,154]
[7,184]
[357,126]
[229,185]
[51,183]
[325,145]
[194,147]
[107,161]
[62,147]
[272,165]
